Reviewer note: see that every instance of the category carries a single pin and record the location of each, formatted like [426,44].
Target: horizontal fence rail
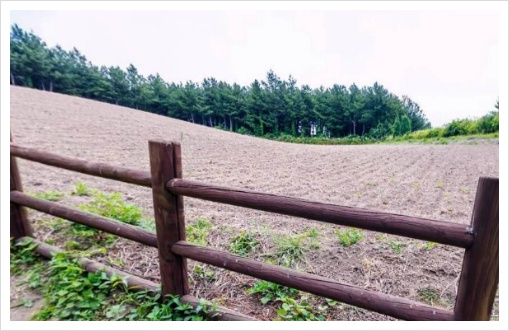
[134,282]
[98,169]
[413,227]
[382,303]
[114,227]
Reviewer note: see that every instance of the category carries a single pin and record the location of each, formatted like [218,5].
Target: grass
[429,296]
[349,237]
[198,232]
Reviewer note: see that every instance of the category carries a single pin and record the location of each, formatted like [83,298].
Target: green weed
[113,206]
[80,189]
[293,310]
[271,292]
[349,237]
[290,249]
[243,244]
[198,232]
[429,295]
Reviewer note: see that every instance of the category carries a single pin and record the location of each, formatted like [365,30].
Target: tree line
[273,106]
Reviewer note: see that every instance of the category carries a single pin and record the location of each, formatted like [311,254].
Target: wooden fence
[478,281]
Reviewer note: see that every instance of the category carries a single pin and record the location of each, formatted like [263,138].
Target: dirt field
[433,181]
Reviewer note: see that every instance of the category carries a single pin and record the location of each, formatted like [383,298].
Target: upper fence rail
[99,169]
[413,227]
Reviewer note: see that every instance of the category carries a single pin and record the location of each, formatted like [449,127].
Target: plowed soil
[432,181]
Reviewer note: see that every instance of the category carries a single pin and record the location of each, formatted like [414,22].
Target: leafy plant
[22,253]
[269,291]
[243,244]
[80,189]
[290,249]
[430,245]
[349,236]
[293,310]
[198,232]
[113,206]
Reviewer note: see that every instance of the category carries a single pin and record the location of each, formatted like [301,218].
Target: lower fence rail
[382,303]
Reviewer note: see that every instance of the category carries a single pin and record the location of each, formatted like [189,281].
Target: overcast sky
[446,61]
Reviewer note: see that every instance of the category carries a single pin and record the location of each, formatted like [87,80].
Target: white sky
[446,61]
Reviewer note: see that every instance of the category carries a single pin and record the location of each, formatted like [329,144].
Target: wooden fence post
[20,225]
[165,164]
[478,282]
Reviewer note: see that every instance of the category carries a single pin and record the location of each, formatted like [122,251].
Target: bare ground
[433,181]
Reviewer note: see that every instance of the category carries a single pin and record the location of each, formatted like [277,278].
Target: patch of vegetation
[49,195]
[22,253]
[106,205]
[293,310]
[349,237]
[81,189]
[439,184]
[271,292]
[430,245]
[71,293]
[290,249]
[243,244]
[204,273]
[313,233]
[397,246]
[198,232]
[113,206]
[429,295]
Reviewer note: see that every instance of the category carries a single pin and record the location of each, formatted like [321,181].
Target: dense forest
[273,106]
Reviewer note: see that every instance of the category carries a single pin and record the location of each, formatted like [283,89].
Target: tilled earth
[432,181]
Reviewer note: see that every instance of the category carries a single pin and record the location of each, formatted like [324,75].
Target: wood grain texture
[169,223]
[136,283]
[98,169]
[479,274]
[19,223]
[408,226]
[382,303]
[111,226]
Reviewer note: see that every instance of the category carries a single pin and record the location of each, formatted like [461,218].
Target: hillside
[422,180]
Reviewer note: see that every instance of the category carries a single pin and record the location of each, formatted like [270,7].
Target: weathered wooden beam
[168,214]
[98,169]
[136,283]
[382,303]
[408,226]
[111,226]
[478,282]
[19,223]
